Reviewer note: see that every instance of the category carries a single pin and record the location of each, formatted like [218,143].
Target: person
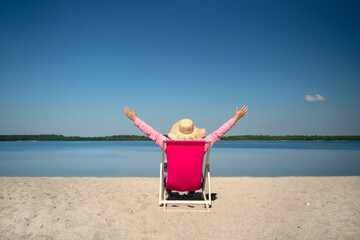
[185,130]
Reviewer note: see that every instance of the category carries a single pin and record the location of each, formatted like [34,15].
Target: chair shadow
[185,196]
[213,196]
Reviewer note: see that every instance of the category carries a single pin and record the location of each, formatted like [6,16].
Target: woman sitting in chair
[185,130]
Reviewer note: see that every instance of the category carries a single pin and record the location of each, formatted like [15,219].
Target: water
[142,159]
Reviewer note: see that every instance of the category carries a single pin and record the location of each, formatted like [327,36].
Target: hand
[130,114]
[241,113]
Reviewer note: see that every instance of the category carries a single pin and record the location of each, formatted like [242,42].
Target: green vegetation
[53,137]
[291,138]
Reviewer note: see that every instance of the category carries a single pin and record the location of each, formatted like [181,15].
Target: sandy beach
[127,208]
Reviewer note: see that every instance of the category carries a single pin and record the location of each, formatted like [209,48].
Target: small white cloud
[319,97]
[315,98]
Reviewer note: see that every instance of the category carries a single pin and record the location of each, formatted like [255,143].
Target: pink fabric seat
[184,164]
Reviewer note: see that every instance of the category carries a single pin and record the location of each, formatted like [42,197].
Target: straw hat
[185,130]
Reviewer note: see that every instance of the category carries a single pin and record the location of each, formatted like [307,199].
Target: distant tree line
[53,137]
[291,138]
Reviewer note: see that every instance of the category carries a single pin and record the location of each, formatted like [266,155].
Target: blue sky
[69,67]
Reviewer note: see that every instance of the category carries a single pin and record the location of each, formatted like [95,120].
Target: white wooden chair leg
[164,206]
[209,188]
[161,188]
[204,196]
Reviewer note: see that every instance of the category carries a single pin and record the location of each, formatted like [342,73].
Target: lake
[142,159]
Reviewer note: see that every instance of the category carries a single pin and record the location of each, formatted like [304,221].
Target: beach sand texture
[127,208]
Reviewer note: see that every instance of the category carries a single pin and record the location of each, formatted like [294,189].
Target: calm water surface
[142,159]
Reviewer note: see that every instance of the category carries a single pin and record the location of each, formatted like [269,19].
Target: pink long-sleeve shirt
[158,137]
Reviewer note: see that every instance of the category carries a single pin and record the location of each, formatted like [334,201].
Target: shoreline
[152,140]
[225,177]
[54,137]
[127,207]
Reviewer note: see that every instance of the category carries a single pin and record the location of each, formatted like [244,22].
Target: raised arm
[149,131]
[215,136]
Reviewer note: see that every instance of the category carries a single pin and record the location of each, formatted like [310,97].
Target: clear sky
[69,67]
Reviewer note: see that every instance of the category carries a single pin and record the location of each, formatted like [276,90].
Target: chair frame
[206,179]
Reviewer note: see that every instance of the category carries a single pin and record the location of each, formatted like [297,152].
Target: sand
[127,208]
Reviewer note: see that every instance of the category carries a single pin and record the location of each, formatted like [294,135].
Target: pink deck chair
[185,170]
